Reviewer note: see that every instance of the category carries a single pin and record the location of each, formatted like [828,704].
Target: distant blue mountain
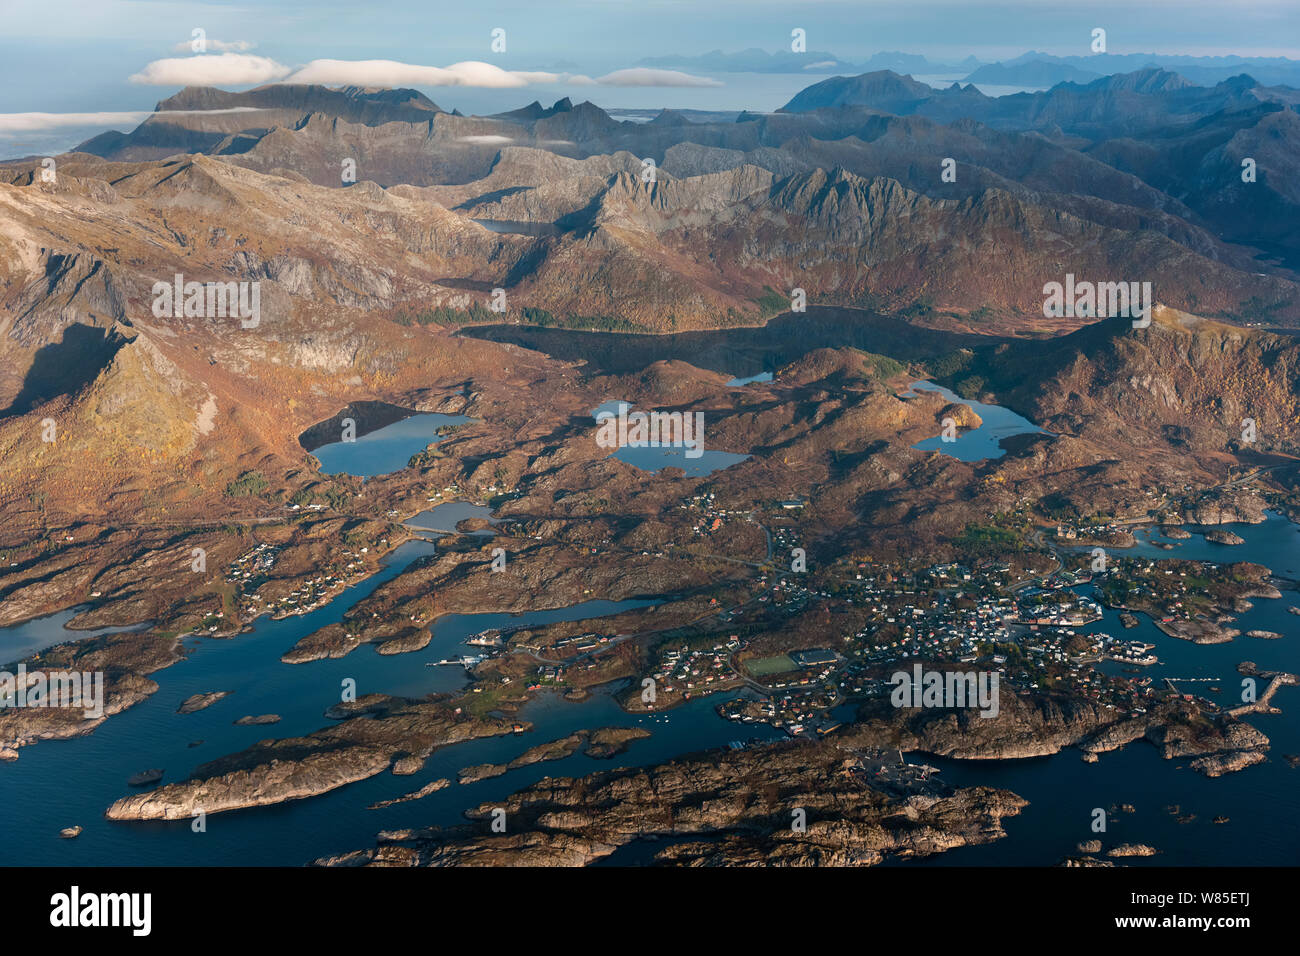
[814,61]
[1033,68]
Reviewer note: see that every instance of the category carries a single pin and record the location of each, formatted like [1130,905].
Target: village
[248,574]
[978,616]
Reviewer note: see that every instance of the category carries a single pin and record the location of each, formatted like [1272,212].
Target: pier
[1264,705]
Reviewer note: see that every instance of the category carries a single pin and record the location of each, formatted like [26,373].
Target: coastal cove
[1261,802]
[57,784]
[65,783]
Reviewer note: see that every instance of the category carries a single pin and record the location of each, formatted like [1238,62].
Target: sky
[123,56]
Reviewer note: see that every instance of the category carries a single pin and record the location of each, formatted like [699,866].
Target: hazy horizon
[124,56]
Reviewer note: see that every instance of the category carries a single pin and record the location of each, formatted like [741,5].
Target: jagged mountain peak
[667,117]
[1152,79]
[295,96]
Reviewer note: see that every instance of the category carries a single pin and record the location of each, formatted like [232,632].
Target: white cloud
[27,122]
[217,46]
[485,140]
[390,73]
[242,69]
[645,76]
[220,69]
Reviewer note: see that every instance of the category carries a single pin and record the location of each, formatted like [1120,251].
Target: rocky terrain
[275,771]
[199,702]
[1041,725]
[124,659]
[737,808]
[832,427]
[572,177]
[603,743]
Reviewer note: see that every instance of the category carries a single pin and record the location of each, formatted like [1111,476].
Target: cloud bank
[241,69]
[211,69]
[28,122]
[644,76]
[393,73]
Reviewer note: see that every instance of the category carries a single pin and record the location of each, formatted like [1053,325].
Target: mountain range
[1141,167]
[1032,68]
[842,194]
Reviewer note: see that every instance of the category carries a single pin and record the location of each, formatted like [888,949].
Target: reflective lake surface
[760,377]
[654,459]
[511,227]
[445,517]
[975,444]
[386,449]
[745,350]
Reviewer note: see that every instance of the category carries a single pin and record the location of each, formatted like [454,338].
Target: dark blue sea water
[1261,802]
[57,784]
[1275,543]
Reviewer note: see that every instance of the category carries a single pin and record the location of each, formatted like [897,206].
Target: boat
[144,778]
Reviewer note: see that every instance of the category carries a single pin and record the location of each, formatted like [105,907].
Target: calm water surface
[57,784]
[386,449]
[976,444]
